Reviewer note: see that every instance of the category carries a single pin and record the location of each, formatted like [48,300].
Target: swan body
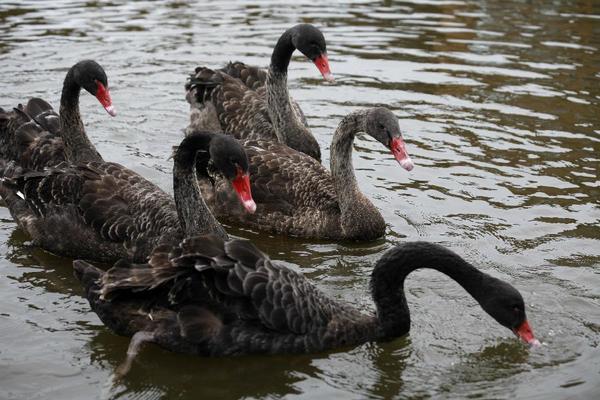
[297,196]
[251,103]
[104,211]
[212,297]
[35,136]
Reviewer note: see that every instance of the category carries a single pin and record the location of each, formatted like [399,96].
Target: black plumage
[212,297]
[104,211]
[297,196]
[253,78]
[35,136]
[251,103]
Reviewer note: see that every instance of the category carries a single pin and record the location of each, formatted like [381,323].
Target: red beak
[322,64]
[525,333]
[399,151]
[241,184]
[103,96]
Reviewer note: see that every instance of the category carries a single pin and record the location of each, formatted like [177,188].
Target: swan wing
[233,279]
[252,77]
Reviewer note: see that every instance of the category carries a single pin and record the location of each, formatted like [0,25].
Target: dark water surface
[499,103]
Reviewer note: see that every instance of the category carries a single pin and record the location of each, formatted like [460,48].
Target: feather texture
[297,196]
[252,103]
[104,211]
[35,136]
[98,211]
[28,136]
[239,110]
[254,78]
[212,297]
[222,298]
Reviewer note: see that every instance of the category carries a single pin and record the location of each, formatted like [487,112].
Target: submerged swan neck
[78,146]
[387,281]
[194,215]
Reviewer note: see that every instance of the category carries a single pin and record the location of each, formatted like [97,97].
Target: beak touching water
[103,96]
[399,151]
[241,185]
[322,64]
[525,333]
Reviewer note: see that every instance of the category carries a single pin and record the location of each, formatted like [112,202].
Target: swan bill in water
[222,298]
[525,333]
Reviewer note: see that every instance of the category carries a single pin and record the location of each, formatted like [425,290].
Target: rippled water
[499,103]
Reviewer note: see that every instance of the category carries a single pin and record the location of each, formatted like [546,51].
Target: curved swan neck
[387,281]
[359,219]
[288,127]
[282,53]
[340,162]
[341,145]
[286,124]
[78,146]
[194,215]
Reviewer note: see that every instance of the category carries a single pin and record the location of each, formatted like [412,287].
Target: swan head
[89,75]
[229,159]
[310,41]
[505,304]
[383,125]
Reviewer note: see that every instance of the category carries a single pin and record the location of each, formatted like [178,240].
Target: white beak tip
[407,164]
[250,206]
[328,76]
[111,111]
[535,343]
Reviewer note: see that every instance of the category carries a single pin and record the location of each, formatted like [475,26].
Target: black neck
[340,162]
[387,281]
[194,215]
[70,92]
[185,155]
[282,53]
[78,146]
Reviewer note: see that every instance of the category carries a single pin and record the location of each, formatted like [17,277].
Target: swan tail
[90,278]
[28,141]
[13,125]
[253,77]
[43,113]
[13,197]
[201,87]
[201,84]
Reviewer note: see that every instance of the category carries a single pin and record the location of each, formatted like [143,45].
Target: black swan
[251,103]
[104,211]
[36,137]
[211,297]
[297,196]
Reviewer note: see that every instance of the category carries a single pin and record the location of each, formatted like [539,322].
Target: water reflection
[498,104]
[377,370]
